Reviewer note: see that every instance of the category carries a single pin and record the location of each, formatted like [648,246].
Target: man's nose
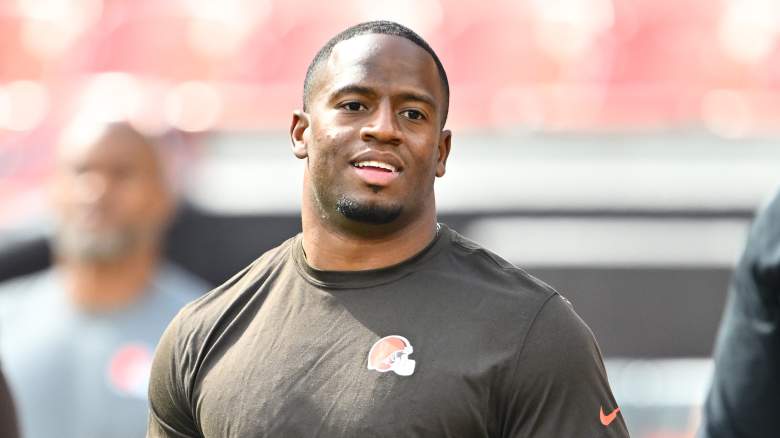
[91,187]
[382,127]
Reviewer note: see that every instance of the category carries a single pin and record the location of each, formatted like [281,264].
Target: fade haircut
[380,27]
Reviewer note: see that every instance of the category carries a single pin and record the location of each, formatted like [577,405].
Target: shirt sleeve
[745,390]
[170,414]
[558,385]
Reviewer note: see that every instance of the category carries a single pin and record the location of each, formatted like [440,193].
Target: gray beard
[72,243]
[367,213]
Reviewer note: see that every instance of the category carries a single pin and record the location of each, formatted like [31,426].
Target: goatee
[369,213]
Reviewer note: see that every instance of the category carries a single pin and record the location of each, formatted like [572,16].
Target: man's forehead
[106,146]
[381,58]
[362,48]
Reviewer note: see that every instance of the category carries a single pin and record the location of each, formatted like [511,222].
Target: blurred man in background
[745,392]
[76,340]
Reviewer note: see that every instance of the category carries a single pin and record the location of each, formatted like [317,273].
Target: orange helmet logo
[391,353]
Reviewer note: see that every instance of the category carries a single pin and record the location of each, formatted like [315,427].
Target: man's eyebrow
[419,97]
[352,89]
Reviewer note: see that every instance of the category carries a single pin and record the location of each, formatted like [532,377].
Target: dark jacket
[745,394]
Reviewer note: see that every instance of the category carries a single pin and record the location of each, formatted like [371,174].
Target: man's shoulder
[205,310]
[33,297]
[522,309]
[28,288]
[488,268]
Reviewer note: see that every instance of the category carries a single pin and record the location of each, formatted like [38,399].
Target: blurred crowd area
[560,66]
[617,148]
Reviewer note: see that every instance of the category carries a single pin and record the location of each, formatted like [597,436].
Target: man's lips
[377,168]
[377,158]
[376,164]
[376,175]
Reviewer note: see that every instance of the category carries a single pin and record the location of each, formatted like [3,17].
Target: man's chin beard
[94,247]
[367,213]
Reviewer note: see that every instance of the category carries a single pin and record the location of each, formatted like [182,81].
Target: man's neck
[331,248]
[109,286]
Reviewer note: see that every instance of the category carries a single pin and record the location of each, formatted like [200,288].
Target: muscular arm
[169,408]
[559,384]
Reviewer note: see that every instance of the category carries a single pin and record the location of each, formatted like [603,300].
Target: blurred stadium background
[615,148]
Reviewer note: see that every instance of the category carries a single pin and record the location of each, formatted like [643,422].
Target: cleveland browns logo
[391,353]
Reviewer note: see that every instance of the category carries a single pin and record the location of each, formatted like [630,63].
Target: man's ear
[298,128]
[445,142]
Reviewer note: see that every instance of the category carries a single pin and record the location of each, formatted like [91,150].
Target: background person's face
[110,196]
[377,99]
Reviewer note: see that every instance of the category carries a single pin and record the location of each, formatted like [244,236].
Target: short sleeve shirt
[454,342]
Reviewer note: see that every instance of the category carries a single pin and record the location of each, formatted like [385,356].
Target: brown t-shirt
[454,342]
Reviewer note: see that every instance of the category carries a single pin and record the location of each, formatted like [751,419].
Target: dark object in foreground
[745,389]
[8,424]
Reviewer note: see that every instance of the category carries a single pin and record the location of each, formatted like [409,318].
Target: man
[745,391]
[376,321]
[76,341]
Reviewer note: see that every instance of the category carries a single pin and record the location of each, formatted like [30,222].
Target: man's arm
[559,386]
[169,408]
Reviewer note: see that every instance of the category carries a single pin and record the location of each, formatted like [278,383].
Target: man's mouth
[375,173]
[374,165]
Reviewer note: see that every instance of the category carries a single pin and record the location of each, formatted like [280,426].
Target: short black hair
[374,27]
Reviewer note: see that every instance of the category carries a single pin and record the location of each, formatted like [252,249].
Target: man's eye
[353,106]
[413,114]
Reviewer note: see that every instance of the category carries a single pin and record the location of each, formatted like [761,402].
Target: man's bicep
[160,429]
[169,408]
[559,386]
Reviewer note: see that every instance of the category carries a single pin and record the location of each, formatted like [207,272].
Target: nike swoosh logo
[607,419]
